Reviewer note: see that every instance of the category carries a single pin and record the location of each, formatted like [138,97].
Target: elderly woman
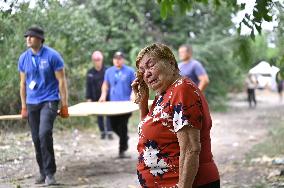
[174,134]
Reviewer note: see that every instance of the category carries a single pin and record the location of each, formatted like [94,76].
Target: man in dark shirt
[95,78]
[192,68]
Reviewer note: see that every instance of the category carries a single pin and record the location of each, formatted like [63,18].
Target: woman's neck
[172,81]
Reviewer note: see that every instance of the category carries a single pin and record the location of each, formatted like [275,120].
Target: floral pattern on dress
[153,159]
[158,145]
[142,181]
[180,120]
[147,118]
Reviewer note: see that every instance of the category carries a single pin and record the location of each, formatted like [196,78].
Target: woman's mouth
[151,82]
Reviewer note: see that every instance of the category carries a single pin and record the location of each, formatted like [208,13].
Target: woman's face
[156,74]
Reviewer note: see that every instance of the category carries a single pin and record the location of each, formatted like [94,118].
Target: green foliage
[261,12]
[279,59]
[76,28]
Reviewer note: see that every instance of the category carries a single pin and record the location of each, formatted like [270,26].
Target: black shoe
[103,136]
[50,180]
[123,155]
[40,179]
[110,137]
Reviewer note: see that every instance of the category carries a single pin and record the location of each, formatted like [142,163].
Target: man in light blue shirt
[42,87]
[192,68]
[117,83]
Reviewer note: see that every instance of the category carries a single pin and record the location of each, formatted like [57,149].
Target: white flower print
[157,166]
[171,94]
[178,121]
[157,110]
[179,82]
[165,115]
[156,119]
[141,124]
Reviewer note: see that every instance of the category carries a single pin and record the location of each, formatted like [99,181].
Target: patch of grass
[260,186]
[76,122]
[273,145]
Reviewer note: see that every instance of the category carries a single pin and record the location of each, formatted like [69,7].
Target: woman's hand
[140,89]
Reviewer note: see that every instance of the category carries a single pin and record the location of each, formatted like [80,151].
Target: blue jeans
[105,127]
[41,118]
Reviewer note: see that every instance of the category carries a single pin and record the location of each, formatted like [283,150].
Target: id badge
[32,85]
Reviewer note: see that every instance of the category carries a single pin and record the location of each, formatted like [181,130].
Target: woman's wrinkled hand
[140,89]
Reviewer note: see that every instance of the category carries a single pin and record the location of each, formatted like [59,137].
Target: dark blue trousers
[105,127]
[119,126]
[41,118]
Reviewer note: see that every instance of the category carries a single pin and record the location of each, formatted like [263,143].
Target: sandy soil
[84,160]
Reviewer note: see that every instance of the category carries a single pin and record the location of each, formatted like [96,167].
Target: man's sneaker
[110,137]
[50,180]
[103,136]
[40,179]
[123,155]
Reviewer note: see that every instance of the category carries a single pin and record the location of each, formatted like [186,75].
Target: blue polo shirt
[41,83]
[193,69]
[119,81]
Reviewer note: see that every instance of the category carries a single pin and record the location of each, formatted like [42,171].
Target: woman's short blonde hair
[159,51]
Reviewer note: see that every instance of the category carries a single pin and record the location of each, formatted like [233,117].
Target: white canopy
[274,70]
[265,74]
[262,68]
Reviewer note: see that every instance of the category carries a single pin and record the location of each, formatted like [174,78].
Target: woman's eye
[151,64]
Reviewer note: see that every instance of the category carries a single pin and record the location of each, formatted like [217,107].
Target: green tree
[263,10]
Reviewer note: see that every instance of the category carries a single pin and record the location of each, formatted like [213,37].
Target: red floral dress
[158,161]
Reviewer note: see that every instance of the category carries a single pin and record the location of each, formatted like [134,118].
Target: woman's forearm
[189,165]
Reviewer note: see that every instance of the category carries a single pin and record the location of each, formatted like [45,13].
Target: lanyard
[117,76]
[36,66]
[34,61]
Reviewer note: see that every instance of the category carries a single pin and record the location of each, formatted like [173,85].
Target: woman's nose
[147,73]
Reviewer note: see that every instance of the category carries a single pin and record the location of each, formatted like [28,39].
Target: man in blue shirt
[192,68]
[117,83]
[42,86]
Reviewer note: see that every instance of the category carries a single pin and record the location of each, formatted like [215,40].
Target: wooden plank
[10,117]
[109,108]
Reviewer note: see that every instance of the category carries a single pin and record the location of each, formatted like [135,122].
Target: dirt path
[83,160]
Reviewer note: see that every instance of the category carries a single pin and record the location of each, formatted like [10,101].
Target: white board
[109,108]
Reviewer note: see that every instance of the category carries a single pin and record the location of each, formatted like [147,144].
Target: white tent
[262,67]
[265,74]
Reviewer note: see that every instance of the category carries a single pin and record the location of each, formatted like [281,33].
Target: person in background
[192,68]
[95,78]
[174,133]
[42,86]
[117,83]
[280,85]
[251,85]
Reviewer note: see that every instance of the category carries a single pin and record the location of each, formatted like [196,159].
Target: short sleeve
[186,106]
[199,69]
[21,67]
[57,62]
